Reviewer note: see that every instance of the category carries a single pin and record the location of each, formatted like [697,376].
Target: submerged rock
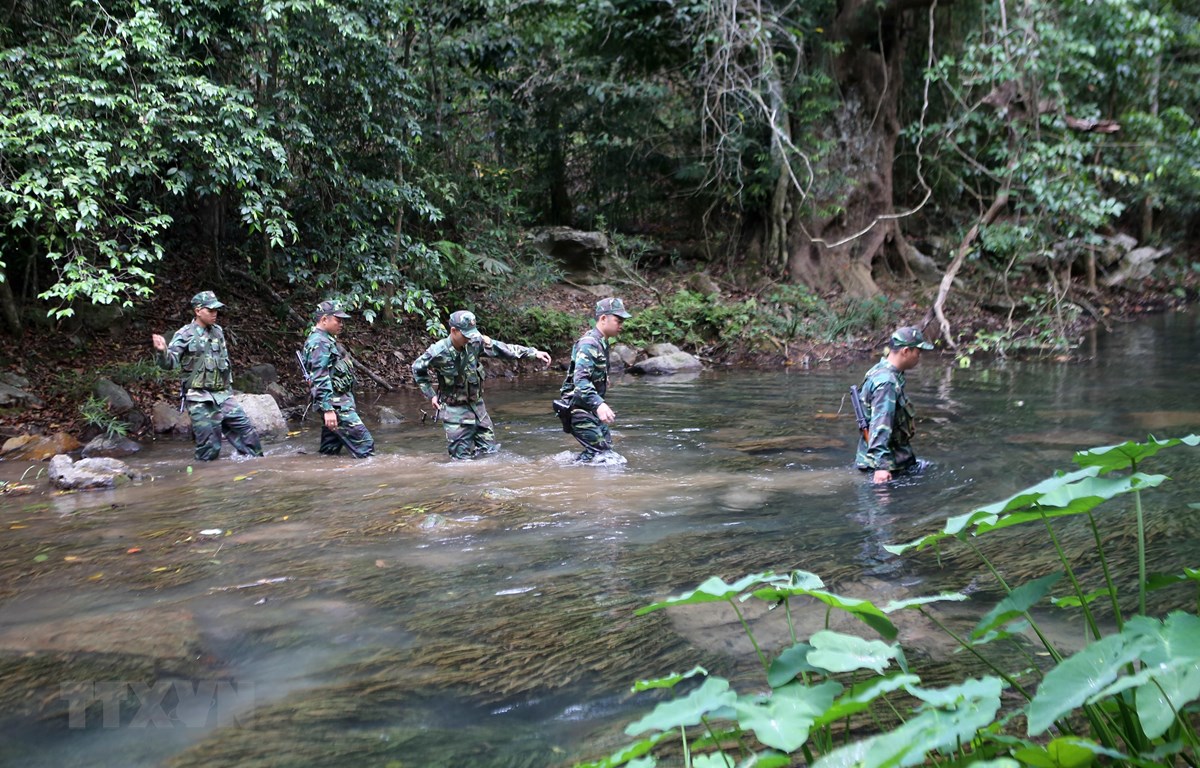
[38,447]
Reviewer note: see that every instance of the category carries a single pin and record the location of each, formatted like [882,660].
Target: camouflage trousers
[469,430]
[350,432]
[593,434]
[210,422]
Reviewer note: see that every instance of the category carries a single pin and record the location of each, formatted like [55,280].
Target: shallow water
[409,610]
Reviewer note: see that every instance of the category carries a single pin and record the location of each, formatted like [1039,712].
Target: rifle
[307,380]
[864,425]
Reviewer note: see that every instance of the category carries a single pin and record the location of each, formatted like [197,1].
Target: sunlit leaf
[1123,455]
[1064,752]
[1077,678]
[712,695]
[783,720]
[1016,603]
[1175,660]
[837,652]
[861,695]
[667,681]
[916,602]
[710,590]
[863,610]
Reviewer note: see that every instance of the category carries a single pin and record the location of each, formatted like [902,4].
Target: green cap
[611,306]
[334,308]
[465,322]
[909,336]
[206,299]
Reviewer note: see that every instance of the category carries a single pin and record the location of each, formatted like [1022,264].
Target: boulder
[87,474]
[119,401]
[14,380]
[14,397]
[702,283]
[284,398]
[37,447]
[264,414]
[662,348]
[111,446]
[664,365]
[166,417]
[1137,264]
[581,254]
[257,379]
[389,416]
[622,354]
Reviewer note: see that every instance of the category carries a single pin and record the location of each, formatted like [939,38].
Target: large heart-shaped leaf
[1122,456]
[710,590]
[837,652]
[1015,604]
[783,720]
[711,696]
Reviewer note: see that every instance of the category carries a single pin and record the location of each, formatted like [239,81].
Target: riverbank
[59,363]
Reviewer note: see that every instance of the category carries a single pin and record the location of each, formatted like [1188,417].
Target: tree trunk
[8,306]
[841,249]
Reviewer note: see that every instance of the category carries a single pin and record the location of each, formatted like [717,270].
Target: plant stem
[1062,558]
[1112,588]
[761,656]
[971,650]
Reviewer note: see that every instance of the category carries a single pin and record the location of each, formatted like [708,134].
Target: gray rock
[1136,264]
[702,282]
[257,379]
[284,398]
[389,416]
[664,365]
[119,401]
[623,353]
[264,414]
[11,396]
[581,254]
[87,474]
[111,446]
[14,380]
[662,348]
[166,417]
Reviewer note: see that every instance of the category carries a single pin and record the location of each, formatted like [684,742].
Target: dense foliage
[394,153]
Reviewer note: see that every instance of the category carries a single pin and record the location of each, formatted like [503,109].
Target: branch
[963,249]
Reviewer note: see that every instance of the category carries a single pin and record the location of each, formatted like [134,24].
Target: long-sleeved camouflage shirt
[330,371]
[202,354]
[459,373]
[587,376]
[891,416]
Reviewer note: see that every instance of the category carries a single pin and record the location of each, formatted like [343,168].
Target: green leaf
[1077,678]
[783,721]
[1016,603]
[1064,752]
[859,697]
[711,590]
[631,753]
[836,652]
[669,681]
[916,602]
[712,695]
[863,610]
[959,714]
[1174,659]
[789,664]
[1123,455]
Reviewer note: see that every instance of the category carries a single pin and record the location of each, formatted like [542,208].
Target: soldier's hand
[605,414]
[544,357]
[434,402]
[159,342]
[882,476]
[331,419]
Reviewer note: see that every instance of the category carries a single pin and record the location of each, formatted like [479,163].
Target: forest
[398,154]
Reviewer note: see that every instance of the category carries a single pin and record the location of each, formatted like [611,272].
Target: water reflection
[407,608]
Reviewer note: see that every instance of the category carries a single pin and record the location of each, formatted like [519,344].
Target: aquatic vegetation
[838,699]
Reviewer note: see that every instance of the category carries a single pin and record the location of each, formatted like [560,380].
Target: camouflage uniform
[208,384]
[584,388]
[469,428]
[331,378]
[890,414]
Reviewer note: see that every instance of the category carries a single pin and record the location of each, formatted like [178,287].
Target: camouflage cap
[611,306]
[206,299]
[909,336]
[334,308]
[465,322]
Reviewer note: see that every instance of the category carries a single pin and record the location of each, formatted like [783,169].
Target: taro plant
[1128,697]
